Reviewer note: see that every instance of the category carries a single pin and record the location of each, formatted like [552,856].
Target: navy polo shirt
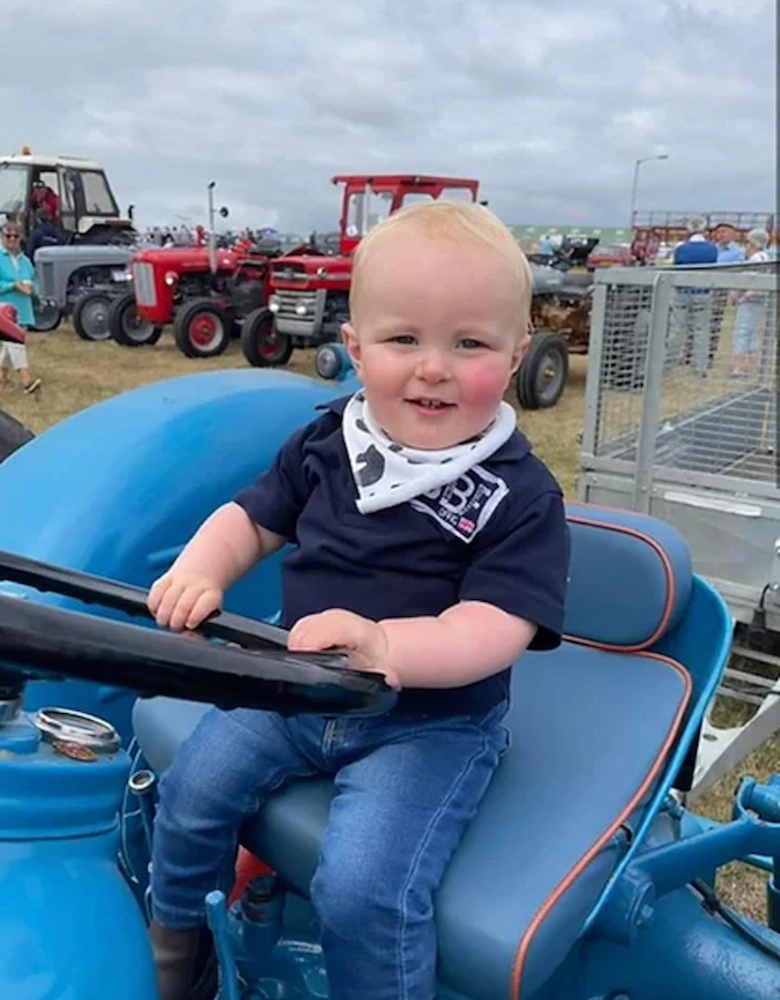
[498,534]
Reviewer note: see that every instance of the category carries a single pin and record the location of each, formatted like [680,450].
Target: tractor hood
[311,271]
[186,259]
[85,254]
[546,279]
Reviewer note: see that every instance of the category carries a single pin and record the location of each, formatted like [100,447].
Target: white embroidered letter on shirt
[465,505]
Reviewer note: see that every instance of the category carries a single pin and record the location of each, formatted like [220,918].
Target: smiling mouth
[431,404]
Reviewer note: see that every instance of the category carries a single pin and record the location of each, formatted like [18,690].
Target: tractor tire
[542,375]
[202,328]
[126,327]
[12,435]
[90,316]
[261,342]
[47,317]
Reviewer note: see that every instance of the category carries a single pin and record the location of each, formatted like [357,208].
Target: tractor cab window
[68,185]
[14,185]
[415,197]
[49,178]
[366,210]
[98,200]
[456,194]
[447,194]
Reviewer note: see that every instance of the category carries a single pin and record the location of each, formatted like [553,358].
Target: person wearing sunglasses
[17,286]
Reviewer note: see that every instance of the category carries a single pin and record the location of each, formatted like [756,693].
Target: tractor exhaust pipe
[212,231]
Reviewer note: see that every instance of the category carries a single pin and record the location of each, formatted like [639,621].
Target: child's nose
[433,366]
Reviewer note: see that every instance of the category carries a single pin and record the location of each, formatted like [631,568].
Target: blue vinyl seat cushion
[590,731]
[630,577]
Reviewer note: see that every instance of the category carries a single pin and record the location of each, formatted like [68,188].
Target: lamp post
[637,165]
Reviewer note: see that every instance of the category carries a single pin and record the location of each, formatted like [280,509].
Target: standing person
[689,324]
[729,251]
[17,285]
[464,531]
[749,315]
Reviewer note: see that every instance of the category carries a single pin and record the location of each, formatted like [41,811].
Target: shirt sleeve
[522,566]
[277,498]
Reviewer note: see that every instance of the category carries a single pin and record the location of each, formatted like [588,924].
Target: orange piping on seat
[670,591]
[582,864]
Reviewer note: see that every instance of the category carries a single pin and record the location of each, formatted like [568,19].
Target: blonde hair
[460,222]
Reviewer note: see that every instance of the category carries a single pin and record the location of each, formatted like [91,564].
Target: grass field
[77,374]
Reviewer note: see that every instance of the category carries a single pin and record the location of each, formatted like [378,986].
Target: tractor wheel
[261,342]
[126,326]
[330,360]
[12,435]
[542,376]
[202,329]
[47,317]
[90,316]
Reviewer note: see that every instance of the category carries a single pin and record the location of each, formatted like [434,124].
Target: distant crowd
[724,246]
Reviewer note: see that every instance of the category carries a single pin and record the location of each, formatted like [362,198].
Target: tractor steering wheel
[250,668]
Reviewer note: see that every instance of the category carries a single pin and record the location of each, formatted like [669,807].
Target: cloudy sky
[549,104]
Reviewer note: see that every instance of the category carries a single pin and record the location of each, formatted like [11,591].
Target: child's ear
[519,352]
[352,344]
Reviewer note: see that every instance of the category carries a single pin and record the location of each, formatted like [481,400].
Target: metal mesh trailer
[681,423]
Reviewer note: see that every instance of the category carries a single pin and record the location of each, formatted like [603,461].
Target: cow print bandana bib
[387,473]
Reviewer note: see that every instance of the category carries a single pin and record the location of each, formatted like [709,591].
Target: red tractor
[309,291]
[207,301]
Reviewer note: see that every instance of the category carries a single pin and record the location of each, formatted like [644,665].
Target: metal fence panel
[681,411]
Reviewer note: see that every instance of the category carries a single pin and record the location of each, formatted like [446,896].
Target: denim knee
[348,897]
[190,790]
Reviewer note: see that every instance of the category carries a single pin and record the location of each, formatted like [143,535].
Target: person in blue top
[17,286]
[729,251]
[431,544]
[697,249]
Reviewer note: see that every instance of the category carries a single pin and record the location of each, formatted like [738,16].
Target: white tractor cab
[87,210]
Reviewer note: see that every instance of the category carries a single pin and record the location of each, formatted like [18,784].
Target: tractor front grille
[299,313]
[46,280]
[143,284]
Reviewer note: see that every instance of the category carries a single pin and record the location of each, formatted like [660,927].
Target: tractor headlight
[273,303]
[171,277]
[300,309]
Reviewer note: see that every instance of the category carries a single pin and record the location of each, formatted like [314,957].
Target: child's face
[434,337]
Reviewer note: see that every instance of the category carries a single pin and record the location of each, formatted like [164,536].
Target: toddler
[430,544]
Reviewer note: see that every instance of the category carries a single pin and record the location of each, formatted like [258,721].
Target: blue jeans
[406,789]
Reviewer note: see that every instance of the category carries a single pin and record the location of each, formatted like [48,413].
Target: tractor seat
[592,724]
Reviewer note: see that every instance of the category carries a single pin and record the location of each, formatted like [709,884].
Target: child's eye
[403,338]
[471,344]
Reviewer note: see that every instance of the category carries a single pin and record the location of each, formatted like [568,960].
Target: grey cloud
[548,104]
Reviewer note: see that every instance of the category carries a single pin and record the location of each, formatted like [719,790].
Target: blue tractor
[583,877]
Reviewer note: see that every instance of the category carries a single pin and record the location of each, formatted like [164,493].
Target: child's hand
[183,600]
[364,641]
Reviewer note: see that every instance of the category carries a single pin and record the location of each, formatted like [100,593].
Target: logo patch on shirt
[465,505]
